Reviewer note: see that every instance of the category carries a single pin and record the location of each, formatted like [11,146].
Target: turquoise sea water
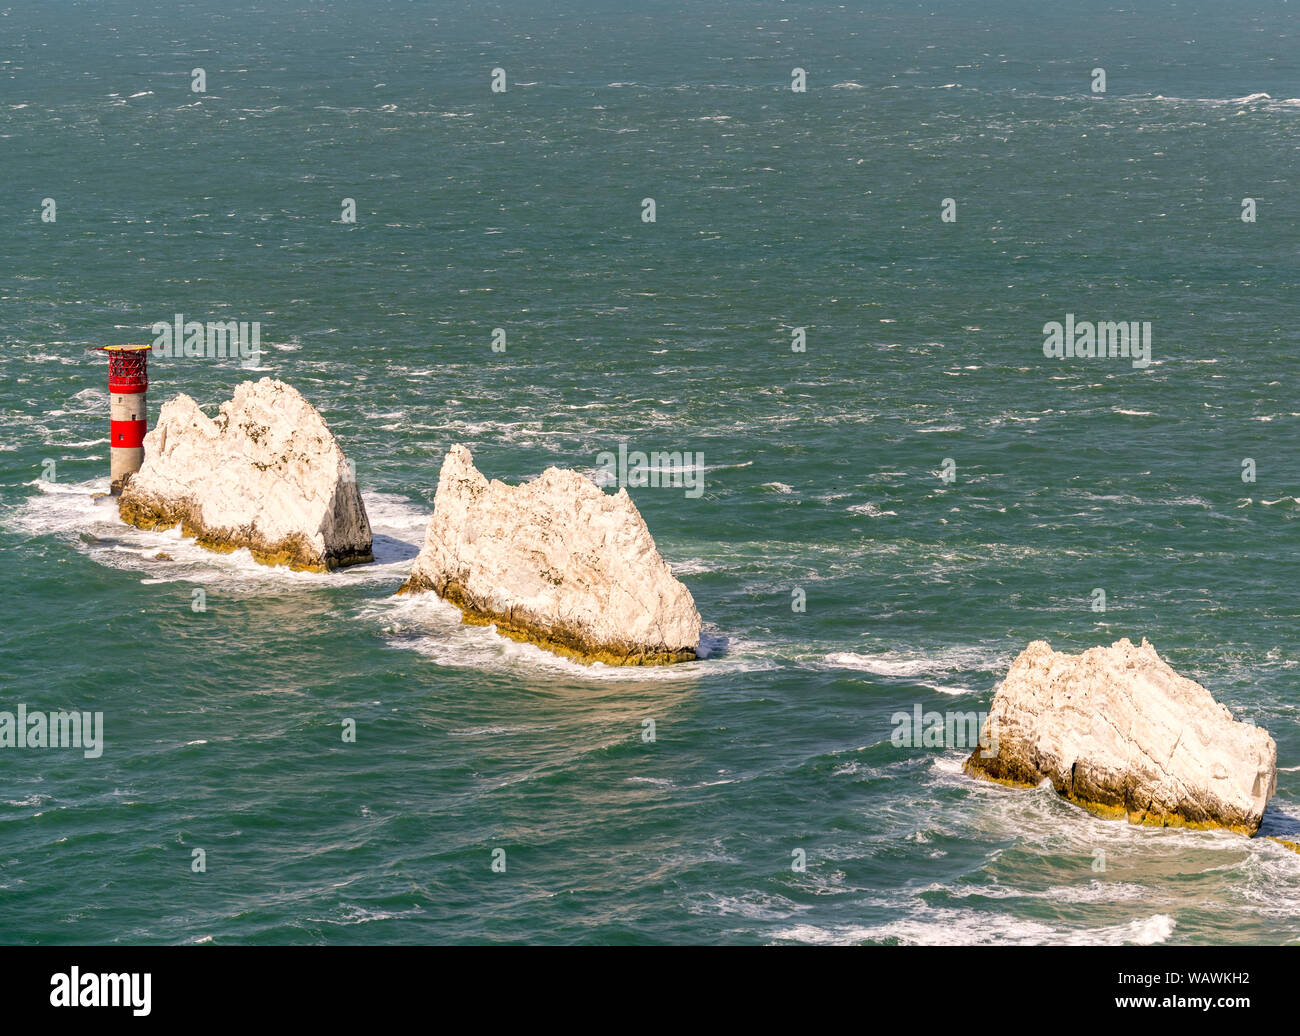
[775,210]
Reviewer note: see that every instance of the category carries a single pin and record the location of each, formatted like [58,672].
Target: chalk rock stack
[557,562]
[265,474]
[1117,731]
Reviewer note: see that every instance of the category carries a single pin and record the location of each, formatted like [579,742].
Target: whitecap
[870,510]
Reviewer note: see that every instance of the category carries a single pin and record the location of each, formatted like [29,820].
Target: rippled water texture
[822,469]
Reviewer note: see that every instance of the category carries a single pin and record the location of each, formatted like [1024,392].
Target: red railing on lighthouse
[128,368]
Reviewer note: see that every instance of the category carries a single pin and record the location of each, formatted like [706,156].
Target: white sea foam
[1095,891]
[428,625]
[943,926]
[951,764]
[30,800]
[1253,101]
[870,510]
[961,659]
[929,672]
[753,906]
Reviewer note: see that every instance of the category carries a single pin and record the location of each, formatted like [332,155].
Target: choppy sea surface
[823,470]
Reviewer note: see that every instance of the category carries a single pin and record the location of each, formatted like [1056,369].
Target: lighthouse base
[123,463]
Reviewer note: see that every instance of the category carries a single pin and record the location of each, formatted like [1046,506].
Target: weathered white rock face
[1115,729]
[555,561]
[265,474]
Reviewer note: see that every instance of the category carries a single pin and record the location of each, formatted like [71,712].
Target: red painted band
[126,434]
[119,389]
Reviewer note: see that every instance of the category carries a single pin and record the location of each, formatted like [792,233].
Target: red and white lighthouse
[128,383]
